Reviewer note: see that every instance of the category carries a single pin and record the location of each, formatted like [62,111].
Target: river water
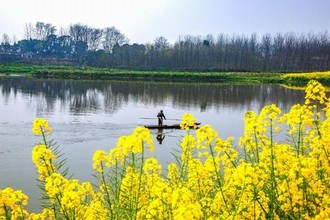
[90,115]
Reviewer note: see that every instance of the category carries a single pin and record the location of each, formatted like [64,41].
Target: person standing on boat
[160,117]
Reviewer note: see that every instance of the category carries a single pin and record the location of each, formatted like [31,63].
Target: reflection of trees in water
[109,96]
[87,101]
[204,96]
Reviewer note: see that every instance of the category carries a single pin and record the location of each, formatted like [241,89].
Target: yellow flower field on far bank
[303,78]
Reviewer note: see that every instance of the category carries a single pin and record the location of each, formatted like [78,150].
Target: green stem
[272,174]
[8,216]
[44,137]
[316,122]
[184,168]
[218,177]
[108,199]
[256,147]
[245,153]
[232,162]
[140,184]
[299,137]
[66,215]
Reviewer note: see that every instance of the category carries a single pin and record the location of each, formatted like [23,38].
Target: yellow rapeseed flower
[188,121]
[99,158]
[41,126]
[205,135]
[43,159]
[12,203]
[151,166]
[173,172]
[299,119]
[315,93]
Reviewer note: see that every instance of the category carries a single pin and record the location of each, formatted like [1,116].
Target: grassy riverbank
[69,72]
[66,72]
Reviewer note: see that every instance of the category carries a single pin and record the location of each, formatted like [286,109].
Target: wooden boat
[173,126]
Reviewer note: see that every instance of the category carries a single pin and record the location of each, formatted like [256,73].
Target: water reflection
[160,136]
[109,96]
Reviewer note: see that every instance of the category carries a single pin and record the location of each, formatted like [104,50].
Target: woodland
[81,45]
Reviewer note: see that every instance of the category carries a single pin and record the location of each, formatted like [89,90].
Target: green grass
[68,72]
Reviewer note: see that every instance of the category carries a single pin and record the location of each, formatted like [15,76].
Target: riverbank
[69,72]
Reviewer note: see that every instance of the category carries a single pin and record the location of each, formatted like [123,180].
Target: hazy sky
[143,20]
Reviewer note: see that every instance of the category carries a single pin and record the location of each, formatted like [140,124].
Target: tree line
[108,47]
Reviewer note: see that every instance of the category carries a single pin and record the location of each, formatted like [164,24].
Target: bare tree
[63,32]
[266,50]
[28,31]
[5,44]
[79,32]
[5,39]
[40,31]
[161,43]
[94,38]
[112,36]
[43,30]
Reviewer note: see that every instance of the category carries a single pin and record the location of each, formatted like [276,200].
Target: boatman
[160,117]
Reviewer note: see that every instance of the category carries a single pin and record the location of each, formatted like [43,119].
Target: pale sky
[141,21]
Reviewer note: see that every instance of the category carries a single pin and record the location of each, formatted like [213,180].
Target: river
[90,115]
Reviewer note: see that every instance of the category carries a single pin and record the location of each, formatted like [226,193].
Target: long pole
[173,119]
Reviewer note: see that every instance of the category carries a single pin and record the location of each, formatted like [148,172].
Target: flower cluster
[43,158]
[315,93]
[68,195]
[188,121]
[40,126]
[12,203]
[262,178]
